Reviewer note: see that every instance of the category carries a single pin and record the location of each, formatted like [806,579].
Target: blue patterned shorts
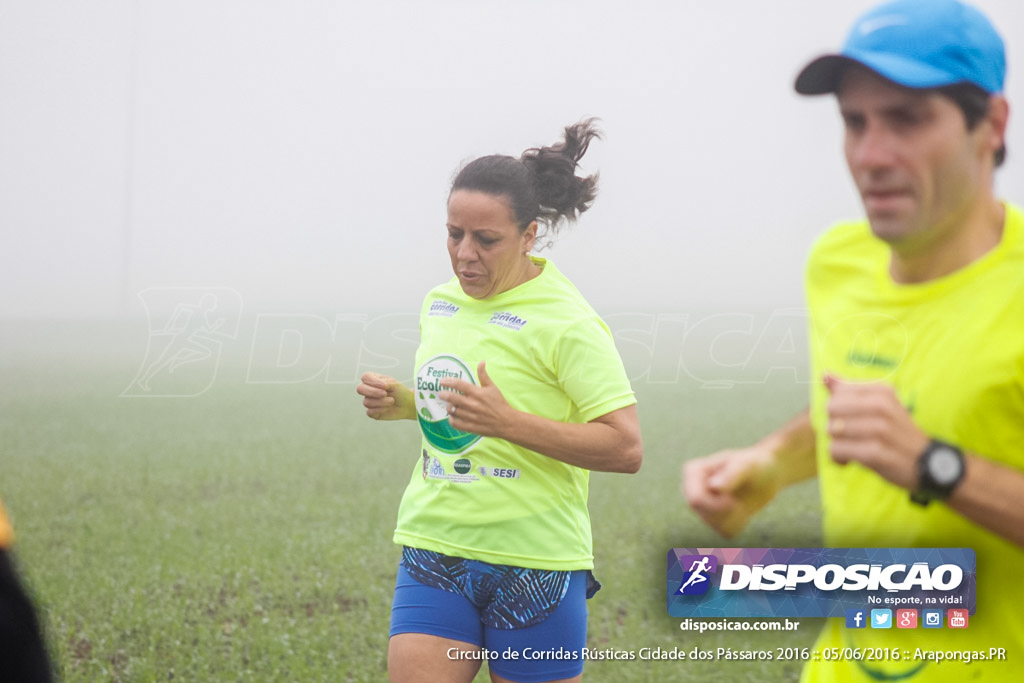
[507,597]
[497,607]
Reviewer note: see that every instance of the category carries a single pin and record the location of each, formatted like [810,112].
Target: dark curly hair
[541,185]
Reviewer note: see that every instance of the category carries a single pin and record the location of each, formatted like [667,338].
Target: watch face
[944,466]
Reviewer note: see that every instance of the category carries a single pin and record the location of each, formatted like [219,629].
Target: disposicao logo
[819,582]
[432,412]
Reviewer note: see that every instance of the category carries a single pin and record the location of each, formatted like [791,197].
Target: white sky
[299,152]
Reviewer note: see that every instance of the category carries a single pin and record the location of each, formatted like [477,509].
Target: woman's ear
[529,237]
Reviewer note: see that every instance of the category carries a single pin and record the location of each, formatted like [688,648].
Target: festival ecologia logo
[432,412]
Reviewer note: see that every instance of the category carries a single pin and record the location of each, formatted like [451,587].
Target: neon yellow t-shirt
[953,349]
[485,498]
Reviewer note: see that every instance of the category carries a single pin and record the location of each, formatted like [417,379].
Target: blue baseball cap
[916,44]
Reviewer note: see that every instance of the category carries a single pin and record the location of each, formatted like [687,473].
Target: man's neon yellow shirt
[484,498]
[953,349]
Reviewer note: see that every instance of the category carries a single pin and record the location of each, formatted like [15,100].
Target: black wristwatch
[940,467]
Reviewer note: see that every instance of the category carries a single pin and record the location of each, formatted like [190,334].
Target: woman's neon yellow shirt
[485,498]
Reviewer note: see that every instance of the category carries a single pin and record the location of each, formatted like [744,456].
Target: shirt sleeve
[590,371]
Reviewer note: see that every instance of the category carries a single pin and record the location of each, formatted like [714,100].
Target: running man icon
[700,567]
[189,327]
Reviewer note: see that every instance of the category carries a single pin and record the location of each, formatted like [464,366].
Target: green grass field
[244,534]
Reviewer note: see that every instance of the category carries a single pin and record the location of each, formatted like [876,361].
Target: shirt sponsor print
[500,472]
[434,469]
[507,320]
[462,472]
[432,412]
[439,308]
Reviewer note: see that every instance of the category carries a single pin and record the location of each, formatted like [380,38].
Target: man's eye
[906,119]
[853,122]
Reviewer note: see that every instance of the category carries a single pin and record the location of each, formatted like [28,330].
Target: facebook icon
[856,618]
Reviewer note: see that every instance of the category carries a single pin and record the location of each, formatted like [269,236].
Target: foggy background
[298,154]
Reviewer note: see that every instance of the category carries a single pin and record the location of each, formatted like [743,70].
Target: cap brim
[825,74]
[822,75]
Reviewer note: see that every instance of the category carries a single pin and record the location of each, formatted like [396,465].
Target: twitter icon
[881,618]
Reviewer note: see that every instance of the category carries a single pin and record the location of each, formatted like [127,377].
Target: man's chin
[888,228]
